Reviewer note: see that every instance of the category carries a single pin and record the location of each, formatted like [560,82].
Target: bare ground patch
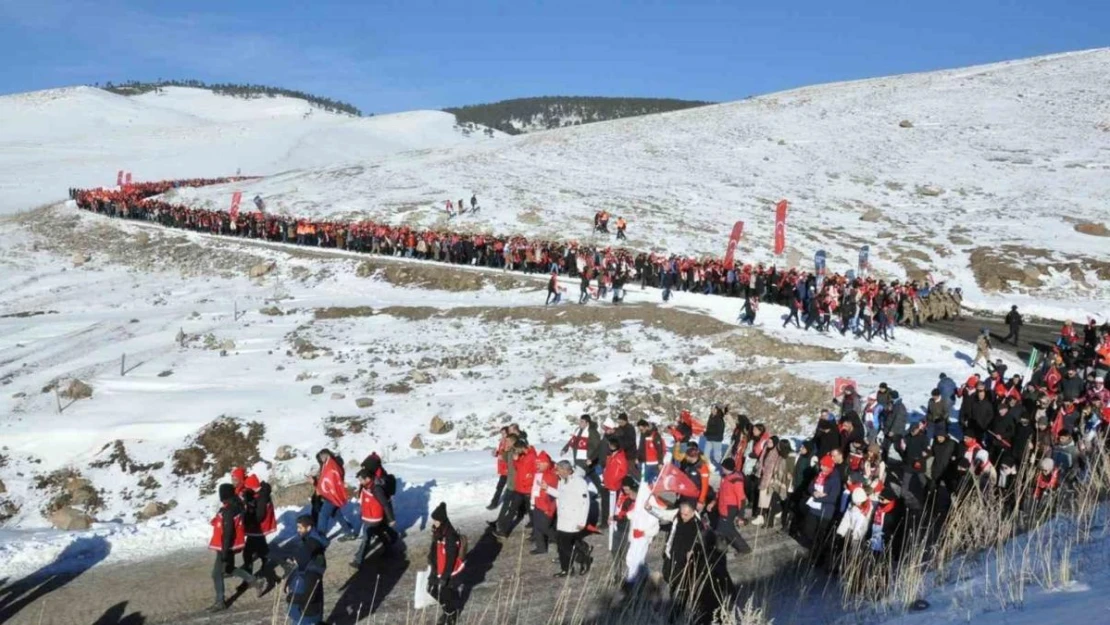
[221,445]
[875,357]
[1095,230]
[747,343]
[996,268]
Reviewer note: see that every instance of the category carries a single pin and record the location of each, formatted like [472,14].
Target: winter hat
[609,424]
[440,513]
[238,474]
[1047,464]
[227,492]
[630,482]
[858,496]
[252,482]
[827,462]
[728,464]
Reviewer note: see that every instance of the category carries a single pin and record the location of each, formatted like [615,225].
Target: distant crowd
[864,305]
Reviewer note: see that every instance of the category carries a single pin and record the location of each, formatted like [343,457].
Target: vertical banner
[864,259]
[127,179]
[235,199]
[733,241]
[119,178]
[780,227]
[819,266]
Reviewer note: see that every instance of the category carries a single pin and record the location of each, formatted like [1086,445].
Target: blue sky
[386,56]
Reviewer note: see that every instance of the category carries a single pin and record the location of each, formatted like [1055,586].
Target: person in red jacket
[447,560]
[376,514]
[229,538]
[626,500]
[652,450]
[697,469]
[499,452]
[543,504]
[730,506]
[524,474]
[616,469]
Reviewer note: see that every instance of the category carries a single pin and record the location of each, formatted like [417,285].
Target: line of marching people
[861,304]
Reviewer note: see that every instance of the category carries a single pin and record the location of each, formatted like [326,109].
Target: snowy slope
[81,136]
[984,188]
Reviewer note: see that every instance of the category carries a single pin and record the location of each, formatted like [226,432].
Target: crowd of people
[864,305]
[873,474]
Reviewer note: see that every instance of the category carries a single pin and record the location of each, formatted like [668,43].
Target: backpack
[389,485]
[463,546]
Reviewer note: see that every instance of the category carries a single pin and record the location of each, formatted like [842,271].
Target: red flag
[840,384]
[330,484]
[119,178]
[235,199]
[780,227]
[127,179]
[671,479]
[733,241]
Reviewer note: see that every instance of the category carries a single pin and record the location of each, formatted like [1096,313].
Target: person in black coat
[626,434]
[304,578]
[1014,322]
[827,438]
[944,451]
[977,412]
[225,543]
[1001,434]
[715,435]
[446,562]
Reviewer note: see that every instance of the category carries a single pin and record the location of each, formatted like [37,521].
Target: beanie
[858,496]
[440,513]
[728,464]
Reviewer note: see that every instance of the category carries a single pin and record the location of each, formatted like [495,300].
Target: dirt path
[176,588]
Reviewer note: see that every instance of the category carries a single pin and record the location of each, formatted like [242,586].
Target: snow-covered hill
[81,136]
[993,177]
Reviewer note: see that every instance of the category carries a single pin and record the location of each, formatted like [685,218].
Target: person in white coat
[643,526]
[856,521]
[572,500]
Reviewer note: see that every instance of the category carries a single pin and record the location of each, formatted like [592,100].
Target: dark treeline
[560,111]
[135,87]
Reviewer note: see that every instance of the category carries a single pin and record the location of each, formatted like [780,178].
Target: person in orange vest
[621,225]
[447,559]
[503,447]
[259,521]
[376,514]
[1048,479]
[697,469]
[626,500]
[228,538]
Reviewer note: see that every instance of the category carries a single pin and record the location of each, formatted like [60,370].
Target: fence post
[57,397]
[123,365]
[236,314]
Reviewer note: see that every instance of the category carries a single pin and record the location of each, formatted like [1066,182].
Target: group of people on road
[866,306]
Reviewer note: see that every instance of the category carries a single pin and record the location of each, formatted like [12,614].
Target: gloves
[433,586]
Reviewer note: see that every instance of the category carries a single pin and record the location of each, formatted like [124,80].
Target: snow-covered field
[985,190]
[1000,164]
[81,136]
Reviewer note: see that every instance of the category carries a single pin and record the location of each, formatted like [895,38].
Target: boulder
[284,453]
[70,520]
[3,488]
[661,373]
[76,389]
[80,258]
[439,426]
[364,402]
[317,389]
[419,377]
[262,269]
[299,494]
[905,123]
[153,509]
[165,374]
[417,442]
[338,396]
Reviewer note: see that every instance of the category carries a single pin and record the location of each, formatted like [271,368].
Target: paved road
[1039,335]
[176,588]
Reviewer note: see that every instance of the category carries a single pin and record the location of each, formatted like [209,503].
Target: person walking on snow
[229,538]
[552,289]
[982,348]
[573,509]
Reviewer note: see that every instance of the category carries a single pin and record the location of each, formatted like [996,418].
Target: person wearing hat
[977,412]
[730,506]
[942,465]
[1048,479]
[447,560]
[228,538]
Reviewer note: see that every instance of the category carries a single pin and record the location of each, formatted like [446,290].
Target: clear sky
[392,55]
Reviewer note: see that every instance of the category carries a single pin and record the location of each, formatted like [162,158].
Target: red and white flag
[236,198]
[733,241]
[119,178]
[330,484]
[672,480]
[127,179]
[840,384]
[780,227]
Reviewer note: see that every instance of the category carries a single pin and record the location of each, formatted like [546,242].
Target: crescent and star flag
[733,241]
[671,479]
[780,227]
[330,484]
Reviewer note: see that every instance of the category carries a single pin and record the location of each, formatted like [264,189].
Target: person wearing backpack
[229,538]
[376,513]
[447,559]
[304,575]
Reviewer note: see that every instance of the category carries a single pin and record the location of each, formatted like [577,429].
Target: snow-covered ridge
[981,176]
[82,136]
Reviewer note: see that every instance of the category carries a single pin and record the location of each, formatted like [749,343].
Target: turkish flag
[840,384]
[780,227]
[119,178]
[235,199]
[127,179]
[330,484]
[674,481]
[733,241]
